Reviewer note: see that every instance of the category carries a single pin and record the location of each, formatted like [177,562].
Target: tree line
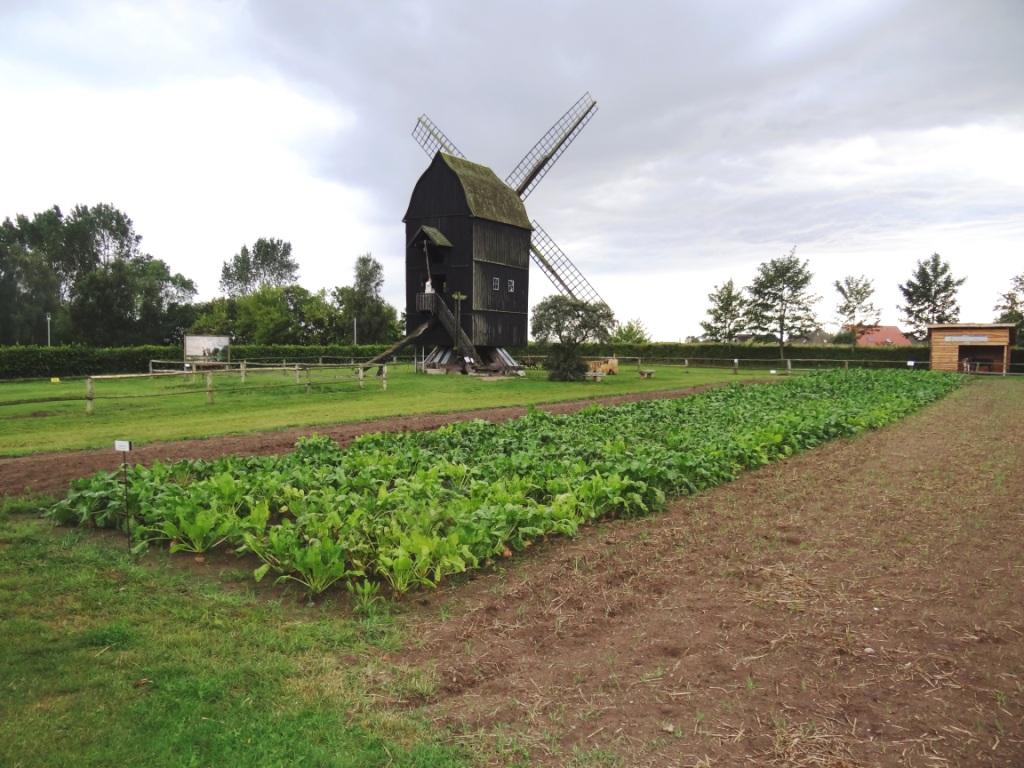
[82,278]
[778,306]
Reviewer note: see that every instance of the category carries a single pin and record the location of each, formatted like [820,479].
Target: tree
[1011,304]
[930,296]
[857,313]
[568,323]
[362,302]
[88,272]
[781,305]
[727,313]
[268,264]
[632,332]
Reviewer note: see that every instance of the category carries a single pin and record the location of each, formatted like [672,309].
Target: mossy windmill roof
[488,196]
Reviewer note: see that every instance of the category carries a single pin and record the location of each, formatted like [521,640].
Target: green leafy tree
[727,315]
[631,332]
[781,305]
[276,315]
[857,313]
[1011,304]
[567,323]
[268,263]
[376,321]
[930,296]
[87,270]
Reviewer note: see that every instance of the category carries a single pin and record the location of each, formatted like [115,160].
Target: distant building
[883,336]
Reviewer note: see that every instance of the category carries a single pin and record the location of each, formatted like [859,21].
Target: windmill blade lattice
[560,270]
[432,138]
[538,161]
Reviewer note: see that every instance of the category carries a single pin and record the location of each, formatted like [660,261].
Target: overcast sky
[868,133]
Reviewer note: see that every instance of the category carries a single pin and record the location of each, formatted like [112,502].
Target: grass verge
[110,662]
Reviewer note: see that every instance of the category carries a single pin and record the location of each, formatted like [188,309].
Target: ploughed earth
[860,604]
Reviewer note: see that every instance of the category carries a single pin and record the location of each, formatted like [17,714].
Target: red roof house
[883,336]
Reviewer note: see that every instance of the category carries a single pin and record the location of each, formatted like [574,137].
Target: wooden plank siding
[948,343]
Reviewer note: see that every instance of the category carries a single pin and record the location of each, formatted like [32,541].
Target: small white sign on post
[122,446]
[910,363]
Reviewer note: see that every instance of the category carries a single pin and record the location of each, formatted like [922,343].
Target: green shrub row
[27,362]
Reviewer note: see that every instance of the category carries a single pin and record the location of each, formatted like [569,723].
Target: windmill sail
[552,260]
[542,156]
[560,270]
[432,138]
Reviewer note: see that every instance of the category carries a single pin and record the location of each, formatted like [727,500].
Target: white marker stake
[124,447]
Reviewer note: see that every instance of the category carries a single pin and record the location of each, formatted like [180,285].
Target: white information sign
[206,347]
[122,446]
[967,337]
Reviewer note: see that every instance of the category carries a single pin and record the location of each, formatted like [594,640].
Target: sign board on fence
[207,347]
[122,446]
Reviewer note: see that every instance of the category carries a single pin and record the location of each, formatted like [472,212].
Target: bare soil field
[860,604]
[50,473]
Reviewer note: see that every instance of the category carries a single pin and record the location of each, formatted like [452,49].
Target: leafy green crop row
[412,508]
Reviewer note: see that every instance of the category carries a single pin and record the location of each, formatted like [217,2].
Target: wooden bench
[646,373]
[594,376]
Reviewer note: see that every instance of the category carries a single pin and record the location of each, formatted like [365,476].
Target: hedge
[29,362]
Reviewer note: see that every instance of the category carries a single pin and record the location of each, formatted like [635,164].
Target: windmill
[524,178]
[469,244]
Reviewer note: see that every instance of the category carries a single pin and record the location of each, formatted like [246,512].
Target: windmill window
[495,283]
[511,286]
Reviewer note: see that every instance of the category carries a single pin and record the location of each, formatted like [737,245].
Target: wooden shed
[971,348]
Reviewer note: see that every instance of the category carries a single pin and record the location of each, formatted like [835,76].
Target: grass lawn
[108,662]
[172,408]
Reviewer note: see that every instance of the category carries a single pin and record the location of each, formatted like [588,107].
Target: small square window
[511,286]
[495,283]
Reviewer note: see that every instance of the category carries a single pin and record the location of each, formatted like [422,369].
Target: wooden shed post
[89,395]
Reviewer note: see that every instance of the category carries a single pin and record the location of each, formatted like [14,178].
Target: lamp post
[47,329]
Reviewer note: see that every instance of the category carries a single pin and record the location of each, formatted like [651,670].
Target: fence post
[89,395]
[361,376]
[296,373]
[308,385]
[735,365]
[846,365]
[151,368]
[686,365]
[242,371]
[384,378]
[321,359]
[209,388]
[789,366]
[284,367]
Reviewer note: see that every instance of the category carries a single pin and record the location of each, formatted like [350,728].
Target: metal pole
[355,336]
[47,329]
[127,511]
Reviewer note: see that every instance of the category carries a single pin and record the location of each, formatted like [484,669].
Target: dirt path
[50,473]
[858,605]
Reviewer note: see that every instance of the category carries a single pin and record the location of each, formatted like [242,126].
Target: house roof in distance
[883,335]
